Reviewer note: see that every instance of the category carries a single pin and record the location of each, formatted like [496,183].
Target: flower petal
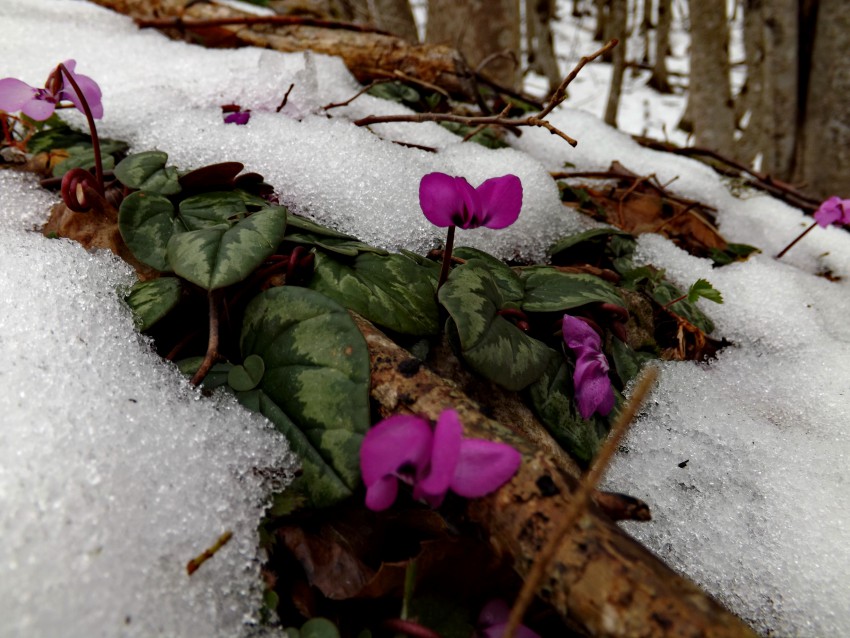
[380,495]
[497,631]
[393,443]
[495,612]
[38,109]
[593,390]
[500,200]
[579,336]
[829,212]
[445,454]
[484,467]
[449,201]
[91,92]
[14,94]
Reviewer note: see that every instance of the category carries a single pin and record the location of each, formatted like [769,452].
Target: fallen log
[603,582]
[370,56]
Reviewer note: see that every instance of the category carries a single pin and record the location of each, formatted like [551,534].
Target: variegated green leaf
[146,223]
[210,209]
[663,292]
[551,398]
[506,279]
[297,223]
[490,344]
[346,247]
[223,255]
[147,171]
[595,237]
[317,374]
[548,290]
[390,290]
[151,300]
[248,375]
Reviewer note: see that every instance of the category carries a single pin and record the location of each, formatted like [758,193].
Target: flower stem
[212,345]
[447,256]
[799,237]
[98,163]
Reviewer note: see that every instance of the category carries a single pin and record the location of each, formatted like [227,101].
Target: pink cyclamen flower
[39,103]
[404,448]
[452,201]
[833,211]
[592,386]
[494,618]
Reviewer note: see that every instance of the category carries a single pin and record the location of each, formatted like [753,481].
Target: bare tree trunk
[825,143]
[645,28]
[659,79]
[601,32]
[771,34]
[710,95]
[483,31]
[539,15]
[617,18]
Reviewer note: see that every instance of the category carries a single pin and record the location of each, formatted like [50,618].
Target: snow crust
[105,499]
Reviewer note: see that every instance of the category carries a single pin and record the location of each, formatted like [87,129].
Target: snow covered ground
[113,474]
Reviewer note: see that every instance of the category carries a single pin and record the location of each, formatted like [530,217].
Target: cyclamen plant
[833,211]
[39,103]
[450,202]
[433,460]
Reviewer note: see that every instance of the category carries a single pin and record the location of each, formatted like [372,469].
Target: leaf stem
[447,256]
[676,300]
[98,163]
[799,237]
[212,344]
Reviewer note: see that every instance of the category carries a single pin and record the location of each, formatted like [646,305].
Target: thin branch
[580,500]
[560,94]
[532,120]
[285,98]
[277,20]
[365,89]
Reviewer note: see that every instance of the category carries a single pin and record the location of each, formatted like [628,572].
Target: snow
[113,474]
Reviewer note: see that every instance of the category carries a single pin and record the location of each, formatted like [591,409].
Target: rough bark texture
[369,56]
[825,143]
[771,38]
[602,582]
[659,79]
[710,104]
[483,31]
[394,16]
[617,20]
[539,15]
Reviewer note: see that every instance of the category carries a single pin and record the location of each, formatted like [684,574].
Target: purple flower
[493,619]
[238,117]
[405,448]
[592,386]
[452,201]
[833,211]
[39,103]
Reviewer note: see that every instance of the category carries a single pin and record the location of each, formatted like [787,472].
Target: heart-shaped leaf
[212,177]
[146,222]
[317,379]
[389,290]
[297,223]
[346,247]
[151,300]
[248,375]
[595,237]
[490,344]
[147,171]
[210,209]
[506,279]
[82,158]
[225,254]
[551,397]
[548,290]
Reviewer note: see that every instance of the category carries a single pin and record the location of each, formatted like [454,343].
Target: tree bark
[617,22]
[709,93]
[602,581]
[484,31]
[771,36]
[539,15]
[369,56]
[825,142]
[659,79]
